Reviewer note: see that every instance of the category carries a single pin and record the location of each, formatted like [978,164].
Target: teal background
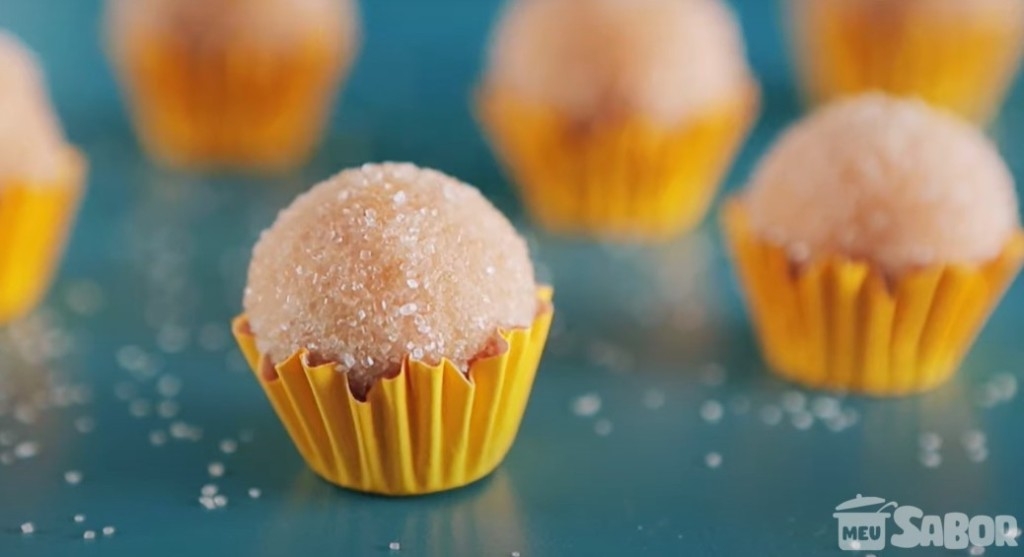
[167,253]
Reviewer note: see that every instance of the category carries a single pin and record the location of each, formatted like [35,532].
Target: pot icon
[862,523]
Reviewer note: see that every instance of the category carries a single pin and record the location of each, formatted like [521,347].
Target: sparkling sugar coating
[31,140]
[662,58]
[384,261]
[890,181]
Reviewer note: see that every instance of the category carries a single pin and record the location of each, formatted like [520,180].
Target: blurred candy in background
[961,55]
[617,119]
[231,83]
[41,180]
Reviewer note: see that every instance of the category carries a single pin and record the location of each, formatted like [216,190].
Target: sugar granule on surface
[215,469]
[711,411]
[713,460]
[586,405]
[654,399]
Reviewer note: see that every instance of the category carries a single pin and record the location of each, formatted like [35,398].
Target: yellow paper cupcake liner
[624,178]
[965,64]
[35,219]
[428,429]
[238,106]
[840,324]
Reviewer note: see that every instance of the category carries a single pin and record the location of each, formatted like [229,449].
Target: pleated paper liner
[964,64]
[840,324]
[35,220]
[236,107]
[622,178]
[428,429]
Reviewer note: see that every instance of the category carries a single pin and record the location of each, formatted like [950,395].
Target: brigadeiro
[393,317]
[617,118]
[872,242]
[41,181]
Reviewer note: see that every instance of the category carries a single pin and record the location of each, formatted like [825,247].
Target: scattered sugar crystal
[837,423]
[184,431]
[930,459]
[930,441]
[436,238]
[1001,388]
[89,535]
[603,427]
[28,528]
[26,449]
[172,339]
[26,414]
[84,297]
[167,409]
[586,405]
[215,469]
[73,477]
[654,399]
[131,358]
[794,401]
[157,438]
[228,446]
[394,546]
[168,386]
[711,411]
[78,518]
[207,503]
[208,490]
[108,531]
[771,415]
[976,550]
[825,407]
[974,440]
[515,554]
[713,460]
[220,501]
[802,420]
[255,493]
[978,455]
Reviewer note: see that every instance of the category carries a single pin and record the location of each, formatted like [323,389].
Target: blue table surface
[121,395]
